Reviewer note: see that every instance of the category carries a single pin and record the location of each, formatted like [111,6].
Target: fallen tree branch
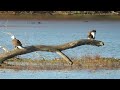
[57,49]
[64,57]
[3,48]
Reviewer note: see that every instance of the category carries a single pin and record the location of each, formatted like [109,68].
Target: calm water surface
[82,74]
[59,32]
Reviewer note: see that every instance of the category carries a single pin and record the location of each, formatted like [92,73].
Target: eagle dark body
[16,42]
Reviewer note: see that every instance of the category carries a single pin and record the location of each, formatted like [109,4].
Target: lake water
[81,74]
[60,32]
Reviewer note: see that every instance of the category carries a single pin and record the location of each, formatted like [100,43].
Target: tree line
[62,12]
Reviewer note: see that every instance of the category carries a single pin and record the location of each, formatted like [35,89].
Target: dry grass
[59,17]
[85,62]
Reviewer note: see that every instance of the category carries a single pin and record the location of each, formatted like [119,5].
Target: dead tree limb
[57,49]
[64,57]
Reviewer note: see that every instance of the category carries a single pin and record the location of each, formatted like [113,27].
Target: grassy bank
[60,17]
[83,63]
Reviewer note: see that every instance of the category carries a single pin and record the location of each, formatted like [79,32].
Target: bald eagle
[17,44]
[91,34]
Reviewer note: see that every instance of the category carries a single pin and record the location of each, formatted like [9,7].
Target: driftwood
[57,49]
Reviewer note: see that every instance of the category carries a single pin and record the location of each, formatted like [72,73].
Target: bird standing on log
[17,44]
[91,34]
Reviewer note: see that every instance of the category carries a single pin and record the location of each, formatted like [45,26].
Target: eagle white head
[12,37]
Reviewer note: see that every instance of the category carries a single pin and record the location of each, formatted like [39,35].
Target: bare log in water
[57,49]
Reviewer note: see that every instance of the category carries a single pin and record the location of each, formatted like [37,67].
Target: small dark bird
[39,22]
[91,34]
[85,21]
[17,44]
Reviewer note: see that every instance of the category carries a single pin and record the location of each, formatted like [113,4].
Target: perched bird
[17,44]
[91,34]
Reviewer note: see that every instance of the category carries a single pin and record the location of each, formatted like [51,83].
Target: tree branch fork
[56,49]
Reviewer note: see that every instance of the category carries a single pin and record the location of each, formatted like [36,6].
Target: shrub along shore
[83,63]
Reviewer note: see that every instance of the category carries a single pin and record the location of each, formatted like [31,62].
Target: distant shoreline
[59,17]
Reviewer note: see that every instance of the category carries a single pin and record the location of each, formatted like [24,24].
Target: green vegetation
[83,63]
